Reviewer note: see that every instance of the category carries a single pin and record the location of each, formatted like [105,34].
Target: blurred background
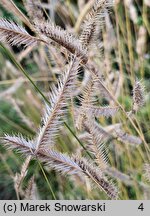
[125,56]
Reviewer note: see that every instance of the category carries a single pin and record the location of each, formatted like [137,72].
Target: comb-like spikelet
[19,177]
[96,146]
[127,138]
[63,163]
[15,34]
[85,137]
[53,159]
[60,162]
[94,21]
[100,84]
[97,176]
[31,190]
[113,172]
[48,31]
[55,111]
[138,96]
[19,143]
[85,99]
[101,111]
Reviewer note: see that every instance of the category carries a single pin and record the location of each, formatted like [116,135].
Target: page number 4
[141,207]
